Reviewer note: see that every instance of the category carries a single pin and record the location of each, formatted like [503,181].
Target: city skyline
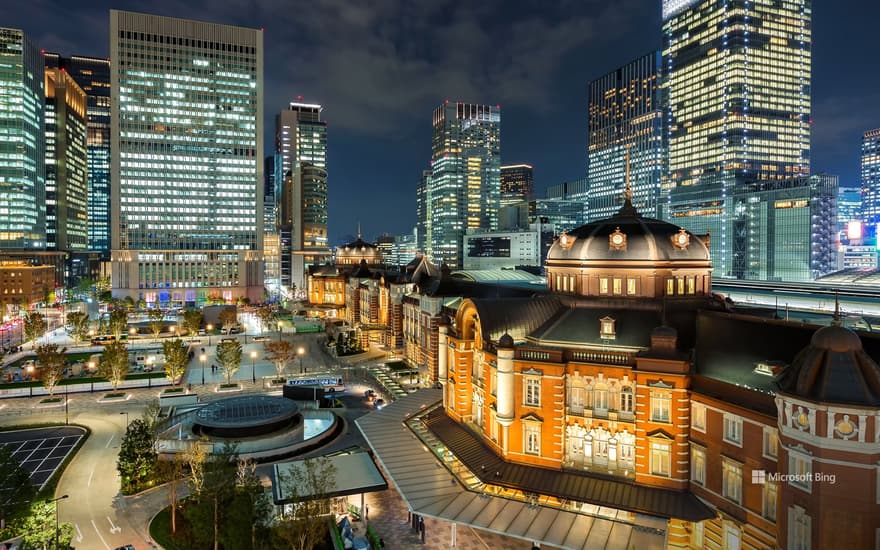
[381,132]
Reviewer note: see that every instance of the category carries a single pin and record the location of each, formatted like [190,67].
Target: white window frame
[532,391]
[736,533]
[661,401]
[698,416]
[769,497]
[532,438]
[627,399]
[698,465]
[659,450]
[799,466]
[731,481]
[799,529]
[733,426]
[770,444]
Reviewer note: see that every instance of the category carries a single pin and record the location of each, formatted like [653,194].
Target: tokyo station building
[628,387]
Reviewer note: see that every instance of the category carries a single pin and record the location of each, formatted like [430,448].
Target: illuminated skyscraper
[517,184]
[187,159]
[421,230]
[22,149]
[66,163]
[464,189]
[301,183]
[871,177]
[626,116]
[93,76]
[738,82]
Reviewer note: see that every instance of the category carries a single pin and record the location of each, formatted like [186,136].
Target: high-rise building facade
[517,183]
[92,74]
[186,159]
[849,206]
[269,221]
[785,230]
[626,138]
[66,163]
[301,190]
[422,223]
[737,77]
[871,176]
[22,149]
[464,189]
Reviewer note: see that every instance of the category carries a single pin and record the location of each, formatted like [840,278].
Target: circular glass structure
[246,416]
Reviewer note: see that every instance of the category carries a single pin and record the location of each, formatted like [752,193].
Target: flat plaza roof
[355,473]
[431,490]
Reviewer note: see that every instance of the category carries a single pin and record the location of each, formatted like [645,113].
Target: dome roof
[629,236]
[834,369]
[506,341]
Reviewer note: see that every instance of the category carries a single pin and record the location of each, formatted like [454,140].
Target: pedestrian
[381,543]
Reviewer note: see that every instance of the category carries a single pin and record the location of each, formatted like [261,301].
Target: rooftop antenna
[359,230]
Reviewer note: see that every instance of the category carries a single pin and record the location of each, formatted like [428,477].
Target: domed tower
[828,410]
[630,256]
[358,251]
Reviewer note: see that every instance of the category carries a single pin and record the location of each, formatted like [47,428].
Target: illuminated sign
[854,230]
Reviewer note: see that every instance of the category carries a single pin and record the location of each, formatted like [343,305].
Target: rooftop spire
[627,209]
[359,230]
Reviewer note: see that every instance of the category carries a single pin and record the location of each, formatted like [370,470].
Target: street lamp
[253,367]
[132,331]
[208,330]
[55,500]
[300,352]
[126,419]
[202,359]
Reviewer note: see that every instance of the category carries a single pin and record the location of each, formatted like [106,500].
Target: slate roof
[600,491]
[581,326]
[516,316]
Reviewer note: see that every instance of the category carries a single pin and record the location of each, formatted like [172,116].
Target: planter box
[113,397]
[173,391]
[223,388]
[49,403]
[277,382]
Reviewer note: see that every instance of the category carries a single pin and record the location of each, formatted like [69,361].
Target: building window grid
[660,458]
[731,482]
[733,429]
[532,392]
[661,403]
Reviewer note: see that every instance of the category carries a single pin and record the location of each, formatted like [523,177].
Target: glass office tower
[92,74]
[517,183]
[625,117]
[66,164]
[871,177]
[22,149]
[464,189]
[186,159]
[301,196]
[737,76]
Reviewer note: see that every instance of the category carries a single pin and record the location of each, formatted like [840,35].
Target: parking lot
[41,450]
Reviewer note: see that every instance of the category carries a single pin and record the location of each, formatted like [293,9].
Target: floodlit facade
[187,159]
[66,163]
[625,134]
[463,191]
[23,148]
[871,176]
[737,77]
[301,190]
[93,76]
[502,249]
[517,183]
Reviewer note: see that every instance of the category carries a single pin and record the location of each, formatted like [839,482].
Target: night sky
[379,68]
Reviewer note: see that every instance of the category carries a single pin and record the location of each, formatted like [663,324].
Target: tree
[228,318]
[192,321]
[176,358]
[118,321]
[34,326]
[52,361]
[137,459]
[308,485]
[150,416]
[250,510]
[229,355]
[196,457]
[84,286]
[16,490]
[267,318]
[78,325]
[172,470]
[157,321]
[281,353]
[37,529]
[114,363]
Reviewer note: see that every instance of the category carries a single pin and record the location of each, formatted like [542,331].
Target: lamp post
[208,328]
[55,500]
[300,352]
[253,367]
[126,419]
[66,400]
[131,332]
[202,359]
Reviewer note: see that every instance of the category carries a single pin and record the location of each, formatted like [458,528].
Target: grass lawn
[160,530]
